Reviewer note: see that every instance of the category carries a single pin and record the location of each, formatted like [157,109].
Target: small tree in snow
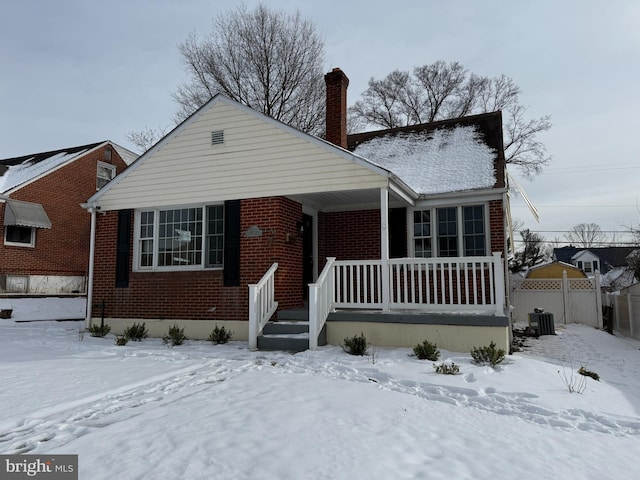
[532,253]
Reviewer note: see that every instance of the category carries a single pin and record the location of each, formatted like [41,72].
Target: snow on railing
[448,284]
[262,304]
[320,302]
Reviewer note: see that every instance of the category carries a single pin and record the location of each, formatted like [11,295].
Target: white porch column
[498,272]
[384,247]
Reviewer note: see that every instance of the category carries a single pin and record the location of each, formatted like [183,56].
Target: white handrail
[320,302]
[262,304]
[445,283]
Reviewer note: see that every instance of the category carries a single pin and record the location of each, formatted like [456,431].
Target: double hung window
[450,231]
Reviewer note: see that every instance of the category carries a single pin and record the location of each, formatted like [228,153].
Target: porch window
[455,229]
[473,231]
[447,232]
[422,233]
[180,238]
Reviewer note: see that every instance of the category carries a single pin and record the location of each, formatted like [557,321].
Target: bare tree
[146,138]
[586,235]
[266,59]
[447,90]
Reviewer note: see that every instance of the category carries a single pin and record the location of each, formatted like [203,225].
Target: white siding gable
[258,158]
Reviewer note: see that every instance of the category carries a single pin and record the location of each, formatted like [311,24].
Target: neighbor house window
[104,174]
[180,238]
[19,236]
[455,230]
[588,266]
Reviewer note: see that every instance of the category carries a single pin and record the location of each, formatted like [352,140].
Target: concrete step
[288,343]
[282,328]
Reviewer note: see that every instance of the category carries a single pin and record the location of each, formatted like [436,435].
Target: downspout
[92,248]
[384,248]
[508,237]
[506,209]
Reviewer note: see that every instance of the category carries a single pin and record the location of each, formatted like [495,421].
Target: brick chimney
[336,120]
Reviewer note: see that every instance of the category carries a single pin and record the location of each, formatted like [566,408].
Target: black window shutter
[123,248]
[232,243]
[398,232]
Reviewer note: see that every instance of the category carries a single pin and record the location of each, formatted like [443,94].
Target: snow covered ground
[199,411]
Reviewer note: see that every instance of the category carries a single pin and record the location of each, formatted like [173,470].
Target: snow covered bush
[121,340]
[488,355]
[426,351]
[356,345]
[136,332]
[99,330]
[175,336]
[447,368]
[220,335]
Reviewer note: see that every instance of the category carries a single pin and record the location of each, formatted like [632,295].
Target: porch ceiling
[347,200]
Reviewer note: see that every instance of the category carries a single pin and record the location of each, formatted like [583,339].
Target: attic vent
[217,137]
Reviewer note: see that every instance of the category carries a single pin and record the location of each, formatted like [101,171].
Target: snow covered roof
[20,170]
[610,257]
[449,156]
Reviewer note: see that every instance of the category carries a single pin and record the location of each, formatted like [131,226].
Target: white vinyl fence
[626,310]
[570,300]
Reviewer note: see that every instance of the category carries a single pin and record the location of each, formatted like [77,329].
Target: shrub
[99,330]
[175,336]
[447,368]
[589,373]
[121,340]
[220,335]
[574,383]
[488,355]
[356,345]
[426,351]
[136,332]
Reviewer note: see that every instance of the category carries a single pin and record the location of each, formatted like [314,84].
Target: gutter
[92,208]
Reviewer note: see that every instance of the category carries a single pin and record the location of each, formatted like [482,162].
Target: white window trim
[156,230]
[460,224]
[108,166]
[31,244]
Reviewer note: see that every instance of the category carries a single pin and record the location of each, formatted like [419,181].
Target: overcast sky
[81,71]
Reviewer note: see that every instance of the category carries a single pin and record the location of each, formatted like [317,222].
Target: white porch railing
[320,302]
[458,284]
[442,284]
[262,304]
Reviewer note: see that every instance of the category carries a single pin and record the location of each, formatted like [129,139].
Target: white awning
[25,214]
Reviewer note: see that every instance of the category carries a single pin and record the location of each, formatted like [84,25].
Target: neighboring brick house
[414,217]
[45,245]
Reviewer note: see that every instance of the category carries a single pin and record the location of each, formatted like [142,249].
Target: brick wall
[200,294]
[64,249]
[349,235]
[496,225]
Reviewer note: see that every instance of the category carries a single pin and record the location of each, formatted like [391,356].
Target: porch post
[498,271]
[598,282]
[384,247]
